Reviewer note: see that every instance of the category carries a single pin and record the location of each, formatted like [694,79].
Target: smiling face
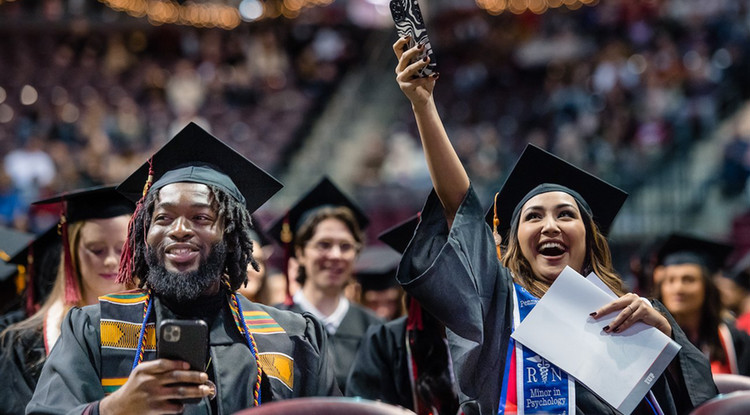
[683,290]
[551,234]
[99,247]
[329,256]
[184,226]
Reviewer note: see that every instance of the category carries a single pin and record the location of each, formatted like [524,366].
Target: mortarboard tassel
[286,239]
[414,319]
[72,291]
[125,272]
[31,304]
[495,233]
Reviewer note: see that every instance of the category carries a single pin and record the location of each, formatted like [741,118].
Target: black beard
[185,286]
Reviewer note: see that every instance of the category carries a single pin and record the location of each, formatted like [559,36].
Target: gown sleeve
[21,360]
[689,377]
[379,370]
[319,378]
[456,276]
[70,378]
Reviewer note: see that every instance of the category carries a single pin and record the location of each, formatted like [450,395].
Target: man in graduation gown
[189,247]
[324,271]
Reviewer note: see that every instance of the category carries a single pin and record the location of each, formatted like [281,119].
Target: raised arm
[448,175]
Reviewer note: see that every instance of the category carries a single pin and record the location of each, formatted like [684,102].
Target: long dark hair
[710,319]
[598,259]
[237,236]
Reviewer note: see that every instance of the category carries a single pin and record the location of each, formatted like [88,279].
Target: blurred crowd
[83,101]
[614,88]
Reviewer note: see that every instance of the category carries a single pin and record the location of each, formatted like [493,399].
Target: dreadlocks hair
[237,236]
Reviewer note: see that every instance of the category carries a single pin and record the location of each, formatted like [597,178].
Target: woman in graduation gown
[687,265]
[548,208]
[94,228]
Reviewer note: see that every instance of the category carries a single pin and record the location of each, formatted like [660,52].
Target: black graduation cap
[11,243]
[41,257]
[398,236]
[324,194]
[740,272]
[39,243]
[377,265]
[376,268]
[195,156]
[257,233]
[536,167]
[686,249]
[99,202]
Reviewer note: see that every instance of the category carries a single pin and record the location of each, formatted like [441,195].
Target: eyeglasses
[345,248]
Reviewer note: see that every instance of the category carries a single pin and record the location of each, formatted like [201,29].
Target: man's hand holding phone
[175,379]
[157,387]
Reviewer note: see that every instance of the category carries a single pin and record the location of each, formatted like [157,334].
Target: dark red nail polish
[593,314]
[606,328]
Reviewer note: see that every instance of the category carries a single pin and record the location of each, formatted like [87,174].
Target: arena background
[649,94]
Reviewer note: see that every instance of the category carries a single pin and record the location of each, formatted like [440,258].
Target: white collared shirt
[331,322]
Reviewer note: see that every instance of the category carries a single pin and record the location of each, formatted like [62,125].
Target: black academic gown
[741,343]
[70,379]
[456,276]
[345,342]
[21,361]
[380,370]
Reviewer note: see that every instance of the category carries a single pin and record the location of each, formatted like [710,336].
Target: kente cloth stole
[121,319]
[275,348]
[120,326]
[541,387]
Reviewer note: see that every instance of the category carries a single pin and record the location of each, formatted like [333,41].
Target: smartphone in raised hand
[185,340]
[409,22]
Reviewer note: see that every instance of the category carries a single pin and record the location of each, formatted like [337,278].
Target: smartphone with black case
[409,22]
[185,340]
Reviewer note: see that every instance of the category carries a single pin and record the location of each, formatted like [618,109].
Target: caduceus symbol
[543,366]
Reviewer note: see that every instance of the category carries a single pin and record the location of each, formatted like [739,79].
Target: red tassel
[414,319]
[72,290]
[125,271]
[286,239]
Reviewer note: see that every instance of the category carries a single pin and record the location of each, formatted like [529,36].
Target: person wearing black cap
[94,226]
[378,289]
[188,248]
[548,215]
[405,361]
[324,229]
[687,265]
[734,287]
[11,309]
[36,265]
[255,286]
